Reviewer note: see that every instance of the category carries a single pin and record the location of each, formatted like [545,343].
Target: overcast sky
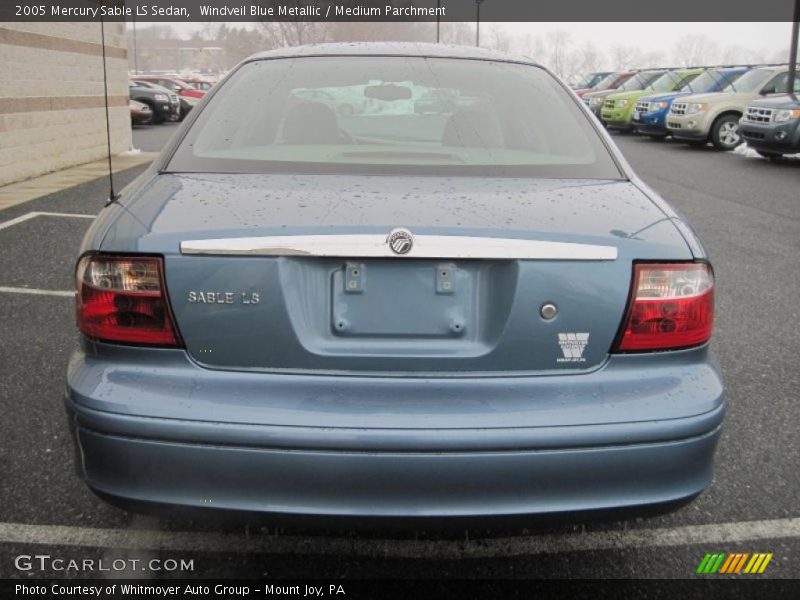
[649,37]
[661,36]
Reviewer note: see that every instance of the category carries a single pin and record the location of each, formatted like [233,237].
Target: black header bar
[398,10]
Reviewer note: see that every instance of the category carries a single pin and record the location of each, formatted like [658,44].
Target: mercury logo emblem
[400,240]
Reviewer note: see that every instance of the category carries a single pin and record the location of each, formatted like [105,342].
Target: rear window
[671,81]
[396,115]
[687,82]
[749,81]
[606,81]
[640,81]
[711,81]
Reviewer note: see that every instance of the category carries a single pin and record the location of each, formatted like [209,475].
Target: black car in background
[164,104]
[771,126]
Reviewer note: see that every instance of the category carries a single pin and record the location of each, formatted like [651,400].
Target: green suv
[617,111]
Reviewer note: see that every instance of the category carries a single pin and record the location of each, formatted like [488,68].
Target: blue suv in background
[650,112]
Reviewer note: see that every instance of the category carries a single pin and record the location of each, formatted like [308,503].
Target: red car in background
[199,84]
[590,80]
[610,82]
[179,86]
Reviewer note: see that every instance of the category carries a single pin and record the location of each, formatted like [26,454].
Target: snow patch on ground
[747,151]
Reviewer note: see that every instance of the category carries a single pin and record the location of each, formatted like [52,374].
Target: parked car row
[166,98]
[724,106]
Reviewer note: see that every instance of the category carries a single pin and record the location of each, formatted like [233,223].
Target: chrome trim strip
[375,246]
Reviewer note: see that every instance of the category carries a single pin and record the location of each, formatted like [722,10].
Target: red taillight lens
[122,299]
[671,306]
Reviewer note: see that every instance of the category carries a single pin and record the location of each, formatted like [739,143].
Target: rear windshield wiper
[726,81]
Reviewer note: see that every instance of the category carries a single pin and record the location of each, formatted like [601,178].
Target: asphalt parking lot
[746,209]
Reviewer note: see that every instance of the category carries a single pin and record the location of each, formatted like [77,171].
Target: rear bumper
[396,484]
[332,466]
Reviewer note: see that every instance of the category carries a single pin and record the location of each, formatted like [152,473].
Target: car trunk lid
[297,273]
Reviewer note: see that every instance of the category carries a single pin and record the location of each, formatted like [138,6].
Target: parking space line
[35,214]
[708,535]
[35,291]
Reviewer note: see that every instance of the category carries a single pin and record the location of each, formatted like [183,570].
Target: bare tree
[239,42]
[736,54]
[693,50]
[457,33]
[159,32]
[278,34]
[656,58]
[531,46]
[209,31]
[496,38]
[775,57]
[557,52]
[349,31]
[626,57]
[588,59]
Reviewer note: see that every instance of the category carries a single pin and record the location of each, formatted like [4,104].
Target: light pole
[478,21]
[438,18]
[793,50]
[135,53]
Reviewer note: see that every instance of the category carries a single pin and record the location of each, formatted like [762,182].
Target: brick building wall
[52,113]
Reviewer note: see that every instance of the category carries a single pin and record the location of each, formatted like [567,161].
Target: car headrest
[472,129]
[311,123]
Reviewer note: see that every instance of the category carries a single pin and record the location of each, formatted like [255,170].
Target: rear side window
[666,83]
[748,82]
[712,81]
[777,85]
[640,81]
[687,82]
[396,115]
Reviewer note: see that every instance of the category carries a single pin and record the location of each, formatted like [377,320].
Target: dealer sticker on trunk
[572,345]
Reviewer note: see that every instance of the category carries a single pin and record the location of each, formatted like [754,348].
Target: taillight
[122,299]
[671,306]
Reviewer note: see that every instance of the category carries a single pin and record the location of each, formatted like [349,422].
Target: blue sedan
[473,310]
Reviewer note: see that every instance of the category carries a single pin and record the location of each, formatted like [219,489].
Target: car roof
[163,77]
[415,49]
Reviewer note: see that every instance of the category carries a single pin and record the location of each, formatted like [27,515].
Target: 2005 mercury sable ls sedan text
[473,309]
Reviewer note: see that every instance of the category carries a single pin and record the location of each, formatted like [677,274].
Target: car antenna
[112,196]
